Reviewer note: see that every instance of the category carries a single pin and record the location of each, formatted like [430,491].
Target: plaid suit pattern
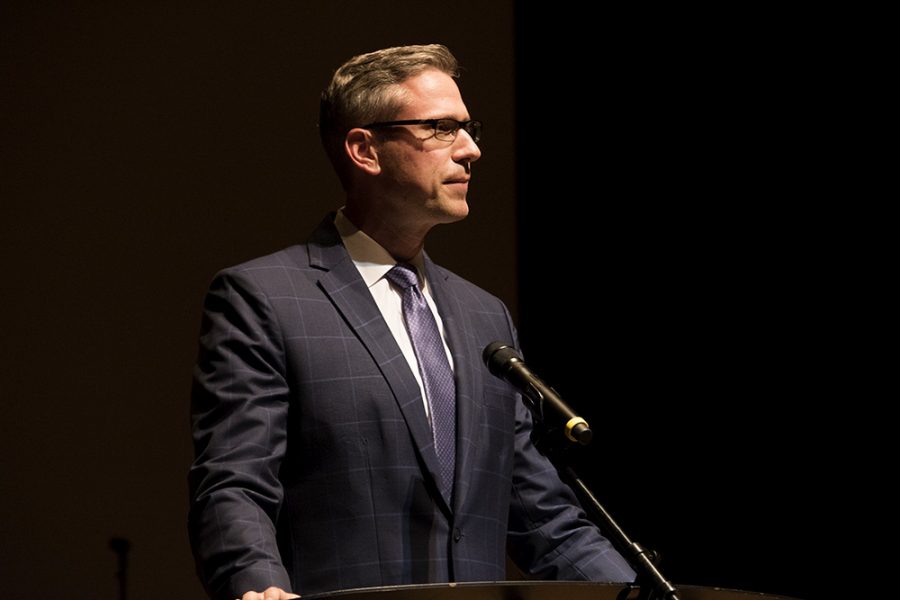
[315,468]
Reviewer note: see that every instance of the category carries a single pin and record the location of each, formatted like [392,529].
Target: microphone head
[498,356]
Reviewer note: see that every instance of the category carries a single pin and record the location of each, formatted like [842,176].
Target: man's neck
[401,242]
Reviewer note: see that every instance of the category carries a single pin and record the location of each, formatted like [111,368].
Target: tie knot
[403,276]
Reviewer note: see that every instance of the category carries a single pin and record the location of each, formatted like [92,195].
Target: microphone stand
[121,546]
[551,443]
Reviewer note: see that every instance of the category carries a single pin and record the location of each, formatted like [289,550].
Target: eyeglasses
[444,129]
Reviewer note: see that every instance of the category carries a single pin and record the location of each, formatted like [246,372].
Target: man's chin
[458,211]
[453,210]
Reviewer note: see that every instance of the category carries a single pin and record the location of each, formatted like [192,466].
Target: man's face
[426,179]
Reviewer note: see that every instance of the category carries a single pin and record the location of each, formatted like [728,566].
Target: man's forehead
[434,92]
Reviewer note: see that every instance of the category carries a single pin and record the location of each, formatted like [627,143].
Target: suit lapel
[467,373]
[346,288]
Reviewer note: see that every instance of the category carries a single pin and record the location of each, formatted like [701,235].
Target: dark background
[660,163]
[621,209]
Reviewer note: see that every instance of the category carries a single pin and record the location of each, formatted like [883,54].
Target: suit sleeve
[239,404]
[549,534]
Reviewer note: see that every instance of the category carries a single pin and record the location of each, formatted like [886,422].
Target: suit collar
[326,251]
[371,259]
[342,283]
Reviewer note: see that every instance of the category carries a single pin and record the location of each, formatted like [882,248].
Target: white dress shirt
[373,263]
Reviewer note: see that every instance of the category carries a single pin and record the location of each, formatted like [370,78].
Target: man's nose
[466,150]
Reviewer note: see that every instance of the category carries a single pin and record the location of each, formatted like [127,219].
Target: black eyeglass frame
[473,127]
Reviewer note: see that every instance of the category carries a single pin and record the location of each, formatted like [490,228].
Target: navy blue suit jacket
[315,468]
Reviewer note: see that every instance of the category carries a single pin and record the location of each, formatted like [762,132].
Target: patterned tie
[434,368]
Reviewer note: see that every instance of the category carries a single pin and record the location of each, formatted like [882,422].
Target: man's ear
[359,144]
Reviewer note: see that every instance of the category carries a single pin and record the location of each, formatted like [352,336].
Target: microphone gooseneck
[504,362]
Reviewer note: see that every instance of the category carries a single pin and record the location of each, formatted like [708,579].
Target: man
[334,447]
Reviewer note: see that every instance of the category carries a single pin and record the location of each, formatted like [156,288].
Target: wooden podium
[535,590]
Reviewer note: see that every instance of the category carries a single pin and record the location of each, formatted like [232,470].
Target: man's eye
[446,126]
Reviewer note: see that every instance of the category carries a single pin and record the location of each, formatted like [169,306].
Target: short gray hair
[361,91]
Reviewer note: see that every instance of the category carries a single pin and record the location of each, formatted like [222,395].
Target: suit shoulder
[466,289]
[290,263]
[323,247]
[292,257]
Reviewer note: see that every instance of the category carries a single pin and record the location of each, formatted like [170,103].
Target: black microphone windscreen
[497,356]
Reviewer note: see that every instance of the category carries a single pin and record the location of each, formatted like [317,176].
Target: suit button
[457,534]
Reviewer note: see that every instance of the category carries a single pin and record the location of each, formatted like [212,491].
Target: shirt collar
[370,257]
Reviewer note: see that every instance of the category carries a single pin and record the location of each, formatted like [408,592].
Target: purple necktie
[433,367]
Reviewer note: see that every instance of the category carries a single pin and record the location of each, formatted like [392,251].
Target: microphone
[505,363]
